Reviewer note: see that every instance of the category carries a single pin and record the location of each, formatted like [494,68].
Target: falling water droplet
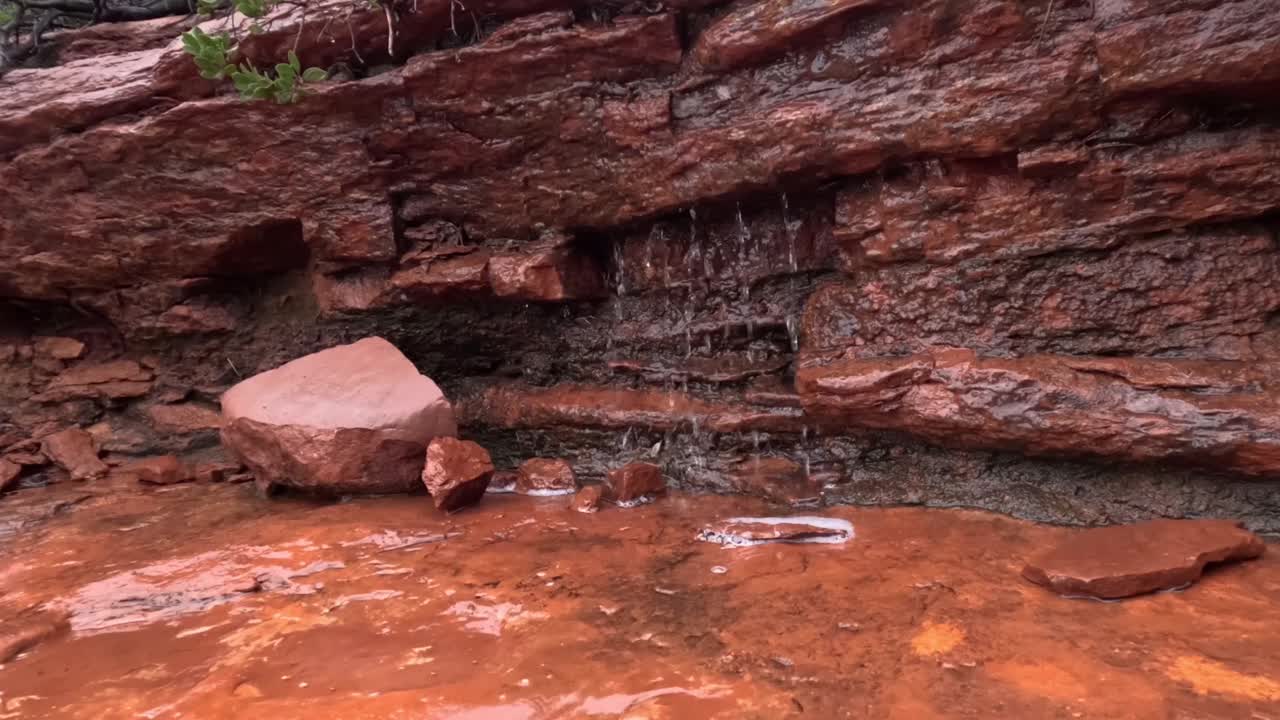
[793,333]
[744,237]
[790,232]
[648,254]
[620,264]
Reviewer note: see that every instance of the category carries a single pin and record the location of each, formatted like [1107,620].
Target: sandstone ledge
[1220,415]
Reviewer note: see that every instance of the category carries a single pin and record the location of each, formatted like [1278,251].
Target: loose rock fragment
[163,470]
[588,499]
[636,483]
[457,472]
[9,473]
[73,450]
[546,476]
[353,418]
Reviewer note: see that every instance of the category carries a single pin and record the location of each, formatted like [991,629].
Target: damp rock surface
[546,476]
[636,481]
[1125,560]
[588,499]
[75,451]
[353,418]
[209,601]
[457,472]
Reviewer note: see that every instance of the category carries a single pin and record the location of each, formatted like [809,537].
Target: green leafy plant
[209,52]
[8,11]
[283,85]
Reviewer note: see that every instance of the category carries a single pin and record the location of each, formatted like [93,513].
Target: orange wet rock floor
[206,601]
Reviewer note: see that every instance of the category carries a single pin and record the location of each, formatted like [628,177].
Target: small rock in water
[745,531]
[546,476]
[1125,560]
[503,481]
[74,450]
[163,470]
[636,482]
[216,472]
[457,472]
[588,499]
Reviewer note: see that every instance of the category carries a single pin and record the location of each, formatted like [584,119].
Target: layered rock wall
[1020,255]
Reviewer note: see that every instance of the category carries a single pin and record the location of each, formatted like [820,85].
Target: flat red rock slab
[1125,560]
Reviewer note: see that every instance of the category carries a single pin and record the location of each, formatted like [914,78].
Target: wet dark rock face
[1017,255]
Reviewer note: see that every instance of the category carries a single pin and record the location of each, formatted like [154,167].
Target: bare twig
[1048,15]
[302,23]
[354,50]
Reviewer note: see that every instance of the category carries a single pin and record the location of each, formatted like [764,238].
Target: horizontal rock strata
[1222,415]
[861,244]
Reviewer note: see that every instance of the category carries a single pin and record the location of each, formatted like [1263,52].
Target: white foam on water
[550,492]
[730,540]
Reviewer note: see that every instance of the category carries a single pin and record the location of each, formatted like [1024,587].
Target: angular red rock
[353,418]
[637,480]
[545,476]
[1125,560]
[9,473]
[74,450]
[551,273]
[162,470]
[216,470]
[587,500]
[59,348]
[457,472]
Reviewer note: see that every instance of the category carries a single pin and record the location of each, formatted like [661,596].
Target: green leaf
[293,62]
[314,74]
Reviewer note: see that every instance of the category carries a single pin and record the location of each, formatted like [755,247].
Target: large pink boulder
[351,419]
